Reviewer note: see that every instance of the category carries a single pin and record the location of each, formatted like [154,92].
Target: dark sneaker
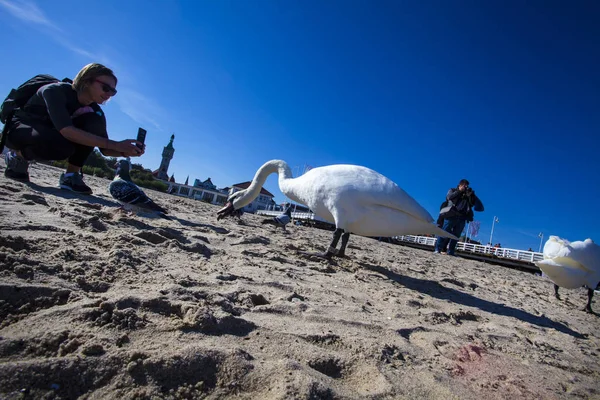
[17,167]
[74,183]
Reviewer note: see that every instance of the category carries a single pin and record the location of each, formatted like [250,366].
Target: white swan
[356,199]
[572,265]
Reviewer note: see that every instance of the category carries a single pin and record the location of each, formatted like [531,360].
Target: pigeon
[130,195]
[571,265]
[281,220]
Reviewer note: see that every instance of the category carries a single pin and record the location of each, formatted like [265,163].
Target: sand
[98,304]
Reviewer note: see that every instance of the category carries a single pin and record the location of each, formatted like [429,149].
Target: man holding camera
[461,202]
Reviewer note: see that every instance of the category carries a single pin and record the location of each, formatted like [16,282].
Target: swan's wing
[579,255]
[587,253]
[399,200]
[555,247]
[568,262]
[353,186]
[563,274]
[376,189]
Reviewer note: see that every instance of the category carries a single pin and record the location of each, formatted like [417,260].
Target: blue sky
[503,93]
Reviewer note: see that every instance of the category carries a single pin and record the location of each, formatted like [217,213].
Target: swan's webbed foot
[341,254]
[326,255]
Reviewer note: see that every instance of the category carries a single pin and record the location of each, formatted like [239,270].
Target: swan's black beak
[225,211]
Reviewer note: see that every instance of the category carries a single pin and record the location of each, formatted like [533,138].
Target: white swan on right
[356,199]
[571,265]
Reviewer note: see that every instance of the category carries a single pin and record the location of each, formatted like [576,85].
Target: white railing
[521,255]
[295,215]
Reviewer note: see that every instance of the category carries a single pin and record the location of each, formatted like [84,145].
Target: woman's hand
[130,148]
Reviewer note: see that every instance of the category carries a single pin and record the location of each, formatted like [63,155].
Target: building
[167,156]
[206,184]
[204,191]
[213,196]
[262,202]
[207,191]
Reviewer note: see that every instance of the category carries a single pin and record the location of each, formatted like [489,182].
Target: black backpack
[18,97]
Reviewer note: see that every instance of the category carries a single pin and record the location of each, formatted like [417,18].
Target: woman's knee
[92,123]
[50,152]
[39,142]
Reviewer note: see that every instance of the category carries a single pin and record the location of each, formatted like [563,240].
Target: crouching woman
[64,120]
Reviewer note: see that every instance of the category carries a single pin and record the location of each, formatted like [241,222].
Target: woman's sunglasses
[106,88]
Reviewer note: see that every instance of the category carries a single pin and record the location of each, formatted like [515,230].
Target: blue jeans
[454,226]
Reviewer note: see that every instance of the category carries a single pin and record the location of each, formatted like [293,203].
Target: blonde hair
[88,75]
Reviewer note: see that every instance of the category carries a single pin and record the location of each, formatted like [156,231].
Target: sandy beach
[98,304]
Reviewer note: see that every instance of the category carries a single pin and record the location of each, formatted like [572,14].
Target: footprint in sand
[93,223]
[391,354]
[330,366]
[253,300]
[136,224]
[454,282]
[253,253]
[406,332]
[121,315]
[92,285]
[11,189]
[34,199]
[151,237]
[415,304]
[253,240]
[196,248]
[175,234]
[326,340]
[203,319]
[15,243]
[455,318]
[92,206]
[50,344]
[193,373]
[18,300]
[364,380]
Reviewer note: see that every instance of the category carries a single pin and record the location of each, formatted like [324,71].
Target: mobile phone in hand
[141,136]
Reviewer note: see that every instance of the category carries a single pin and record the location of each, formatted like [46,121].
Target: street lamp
[492,234]
[541,236]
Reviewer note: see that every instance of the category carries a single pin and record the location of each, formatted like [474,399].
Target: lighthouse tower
[167,156]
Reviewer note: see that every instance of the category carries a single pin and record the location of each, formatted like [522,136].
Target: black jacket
[461,204]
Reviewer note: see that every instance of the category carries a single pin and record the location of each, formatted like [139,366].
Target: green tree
[104,167]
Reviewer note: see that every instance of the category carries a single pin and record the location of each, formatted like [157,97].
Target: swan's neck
[274,166]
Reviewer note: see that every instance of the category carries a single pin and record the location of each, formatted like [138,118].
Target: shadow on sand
[435,289]
[191,224]
[91,199]
[66,194]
